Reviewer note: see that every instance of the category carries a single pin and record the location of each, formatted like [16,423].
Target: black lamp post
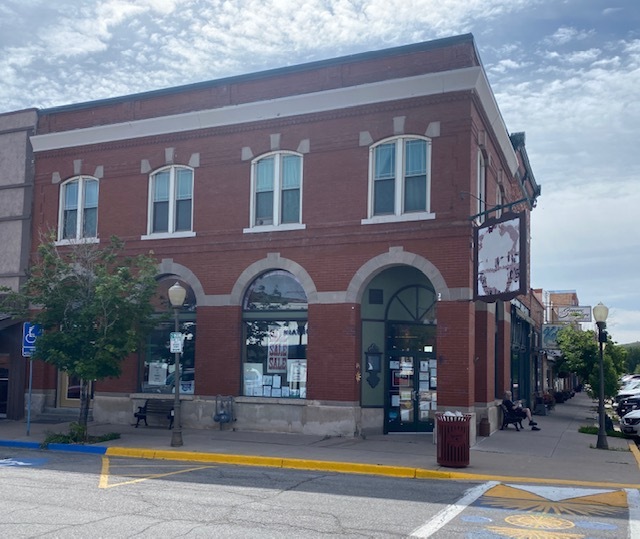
[176,296]
[600,313]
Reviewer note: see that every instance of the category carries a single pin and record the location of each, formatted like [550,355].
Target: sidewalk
[557,454]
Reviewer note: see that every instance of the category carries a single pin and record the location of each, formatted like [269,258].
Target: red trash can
[453,439]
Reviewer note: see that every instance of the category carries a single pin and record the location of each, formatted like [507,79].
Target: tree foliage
[581,355]
[93,304]
[633,358]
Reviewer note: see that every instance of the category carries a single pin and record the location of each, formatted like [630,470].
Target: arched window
[78,209]
[275,332]
[171,201]
[158,362]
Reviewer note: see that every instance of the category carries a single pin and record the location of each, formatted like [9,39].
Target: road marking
[106,474]
[559,501]
[7,463]
[449,513]
[633,501]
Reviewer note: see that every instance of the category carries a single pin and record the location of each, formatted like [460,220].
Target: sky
[565,72]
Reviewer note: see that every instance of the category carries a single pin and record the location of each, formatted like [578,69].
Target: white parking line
[452,511]
[633,502]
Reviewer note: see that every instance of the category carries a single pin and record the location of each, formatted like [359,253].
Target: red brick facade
[218,128]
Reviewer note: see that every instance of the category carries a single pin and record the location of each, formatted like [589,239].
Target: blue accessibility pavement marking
[16,463]
[77,448]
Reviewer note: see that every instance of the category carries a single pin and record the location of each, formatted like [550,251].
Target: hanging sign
[175,342]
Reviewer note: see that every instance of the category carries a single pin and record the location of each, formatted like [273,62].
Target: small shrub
[77,435]
[590,429]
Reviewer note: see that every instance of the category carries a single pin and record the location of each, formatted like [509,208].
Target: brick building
[16,189]
[321,217]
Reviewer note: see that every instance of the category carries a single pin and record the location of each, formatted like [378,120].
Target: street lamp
[600,313]
[176,296]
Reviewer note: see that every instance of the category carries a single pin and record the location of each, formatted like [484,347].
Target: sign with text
[175,342]
[573,313]
[278,348]
[550,335]
[30,333]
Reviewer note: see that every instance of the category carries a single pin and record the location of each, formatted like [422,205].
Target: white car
[630,423]
[628,390]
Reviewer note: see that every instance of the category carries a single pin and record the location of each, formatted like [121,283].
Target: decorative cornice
[470,78]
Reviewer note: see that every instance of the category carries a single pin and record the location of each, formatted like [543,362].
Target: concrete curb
[346,467]
[313,465]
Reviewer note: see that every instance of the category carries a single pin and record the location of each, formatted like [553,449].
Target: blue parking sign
[30,333]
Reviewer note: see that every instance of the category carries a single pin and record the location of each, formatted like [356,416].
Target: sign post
[30,333]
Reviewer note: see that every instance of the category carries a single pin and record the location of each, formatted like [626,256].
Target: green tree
[581,355]
[633,358]
[94,306]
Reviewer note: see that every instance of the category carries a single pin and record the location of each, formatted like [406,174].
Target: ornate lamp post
[176,296]
[600,313]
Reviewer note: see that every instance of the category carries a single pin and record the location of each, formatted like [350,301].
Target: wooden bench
[160,407]
[510,418]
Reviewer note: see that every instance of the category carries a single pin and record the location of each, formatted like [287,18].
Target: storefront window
[275,337]
[158,369]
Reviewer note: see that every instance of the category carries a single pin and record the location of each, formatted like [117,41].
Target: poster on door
[278,348]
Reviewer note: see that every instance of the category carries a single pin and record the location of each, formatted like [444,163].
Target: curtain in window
[384,179]
[161,202]
[184,195]
[264,191]
[415,188]
[90,214]
[70,217]
[291,189]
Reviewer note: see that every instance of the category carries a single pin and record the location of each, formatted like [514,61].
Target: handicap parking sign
[30,333]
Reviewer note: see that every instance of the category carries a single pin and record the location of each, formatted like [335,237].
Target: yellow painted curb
[350,467]
[218,458]
[634,451]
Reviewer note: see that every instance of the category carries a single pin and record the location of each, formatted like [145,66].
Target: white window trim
[277,195]
[399,214]
[77,241]
[274,228]
[81,179]
[167,235]
[172,205]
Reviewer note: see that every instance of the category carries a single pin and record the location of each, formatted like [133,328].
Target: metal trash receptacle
[453,439]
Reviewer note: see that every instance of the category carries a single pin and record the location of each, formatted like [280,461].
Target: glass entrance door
[411,379]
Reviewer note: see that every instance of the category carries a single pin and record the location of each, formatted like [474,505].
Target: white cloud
[555,74]
[566,34]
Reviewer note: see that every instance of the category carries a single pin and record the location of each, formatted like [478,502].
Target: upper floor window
[276,181]
[481,188]
[399,186]
[78,209]
[171,201]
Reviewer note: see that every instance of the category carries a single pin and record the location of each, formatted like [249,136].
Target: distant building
[321,217]
[16,193]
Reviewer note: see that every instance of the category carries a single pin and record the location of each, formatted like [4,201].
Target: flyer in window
[157,374]
[278,349]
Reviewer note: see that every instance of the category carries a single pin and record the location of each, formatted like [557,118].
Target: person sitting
[518,410]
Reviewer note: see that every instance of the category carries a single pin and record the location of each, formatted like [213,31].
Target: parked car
[627,405]
[630,423]
[629,391]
